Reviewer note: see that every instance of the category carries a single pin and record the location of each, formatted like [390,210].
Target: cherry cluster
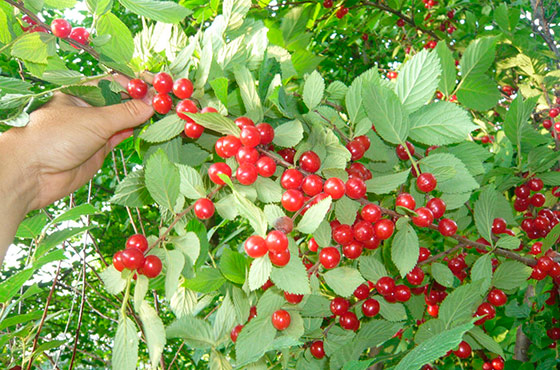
[133,259]
[59,27]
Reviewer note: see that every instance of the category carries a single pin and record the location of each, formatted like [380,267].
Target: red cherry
[267,133]
[424,254]
[312,185]
[487,311]
[276,241]
[487,366]
[537,200]
[356,149]
[242,122]
[80,35]
[117,261]
[227,146]
[209,110]
[405,200]
[253,309]
[288,154]
[216,169]
[433,310]
[281,319]
[521,204]
[355,188]
[317,350]
[402,293]
[553,112]
[310,161]
[349,321]
[352,250]
[498,363]
[235,333]
[425,217]
[400,22]
[27,19]
[523,191]
[385,285]
[266,166]
[61,28]
[431,148]
[292,200]
[499,225]
[362,291]
[334,187]
[250,136]
[363,230]
[340,13]
[497,297]
[193,130]
[163,83]
[246,173]
[536,248]
[343,234]
[370,307]
[328,3]
[464,350]
[391,75]
[312,245]
[364,140]
[151,268]
[545,263]
[293,298]
[553,333]
[279,259]
[137,88]
[291,179]
[186,106]
[416,276]
[535,184]
[554,271]
[162,103]
[357,169]
[329,257]
[384,229]
[447,227]
[339,306]
[255,246]
[401,152]
[247,155]
[132,258]
[371,212]
[426,182]
[204,208]
[547,124]
[183,88]
[137,241]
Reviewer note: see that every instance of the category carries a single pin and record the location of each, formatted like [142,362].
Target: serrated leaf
[462,182]
[233,266]
[440,123]
[215,122]
[207,280]
[508,242]
[448,69]
[162,11]
[31,47]
[183,302]
[140,290]
[405,249]
[165,129]
[114,283]
[131,191]
[254,340]
[313,90]
[478,92]
[191,185]
[259,272]
[391,311]
[371,267]
[125,347]
[482,271]
[345,210]
[511,275]
[314,216]
[291,278]
[478,56]
[252,213]
[76,212]
[486,341]
[343,280]
[120,47]
[90,94]
[268,190]
[484,212]
[249,94]
[386,183]
[195,332]
[418,79]
[154,331]
[175,264]
[162,179]
[428,330]
[442,274]
[288,134]
[459,305]
[10,85]
[31,227]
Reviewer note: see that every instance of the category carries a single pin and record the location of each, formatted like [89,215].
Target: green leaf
[478,92]
[484,212]
[313,90]
[90,94]
[175,263]
[233,266]
[268,190]
[10,85]
[76,212]
[31,47]
[354,100]
[439,163]
[154,331]
[486,341]
[57,238]
[343,280]
[448,69]
[259,272]
[428,330]
[442,274]
[314,216]
[131,191]
[482,271]
[120,47]
[140,290]
[206,280]
[31,227]
[288,134]
[162,11]
[99,7]
[60,4]
[191,185]
[345,210]
[220,87]
[478,56]
[440,123]
[418,79]
[433,348]
[195,332]
[216,122]
[114,283]
[252,213]
[405,249]
[391,311]
[387,113]
[515,122]
[162,179]
[189,244]
[551,238]
[386,183]
[291,278]
[125,347]
[254,340]
[164,129]
[511,275]
[225,318]
[249,94]
[10,287]
[183,302]
[371,267]
[508,242]
[550,178]
[458,306]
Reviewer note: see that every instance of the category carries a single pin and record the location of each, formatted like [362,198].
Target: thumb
[114,118]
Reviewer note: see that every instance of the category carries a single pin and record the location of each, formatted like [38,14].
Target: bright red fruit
[499,226]
[401,151]
[216,169]
[334,187]
[535,184]
[61,28]
[250,136]
[329,257]
[255,246]
[183,88]
[402,293]
[447,227]
[356,149]
[426,182]
[132,258]
[162,103]
[433,310]
[291,179]
[80,35]
[498,363]
[292,200]
[343,234]
[30,22]
[362,291]
[193,130]
[364,140]
[497,297]
[553,112]
[243,122]
[246,173]
[371,212]
[317,350]
[425,217]
[391,75]
[340,13]
[312,245]
[339,306]
[137,88]
[370,307]
[293,298]
[151,267]
[209,110]
[276,241]
[352,250]
[538,274]
[464,350]
[163,83]
[553,333]
[349,321]
[227,146]
[288,154]
[186,106]
[355,188]
[545,263]
[385,285]
[204,208]
[537,200]
[235,333]
[279,259]
[310,161]
[267,133]
[487,311]
[424,254]
[246,154]
[281,319]
[363,230]
[384,229]
[138,241]
[266,166]
[405,200]
[312,185]
[117,261]
[416,276]
[328,3]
